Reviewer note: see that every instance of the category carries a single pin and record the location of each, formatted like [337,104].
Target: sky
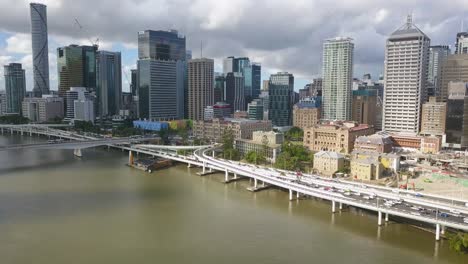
[281,35]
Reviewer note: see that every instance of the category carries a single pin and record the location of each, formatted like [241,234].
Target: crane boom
[95,42]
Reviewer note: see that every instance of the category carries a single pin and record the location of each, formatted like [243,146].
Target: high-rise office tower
[364,106]
[161,89]
[316,87]
[281,98]
[200,87]
[133,80]
[3,103]
[256,79]
[76,66]
[433,117]
[437,56]
[235,91]
[461,46]
[337,78]
[161,45]
[219,89]
[454,69]
[109,82]
[162,72]
[228,65]
[406,64]
[15,86]
[40,48]
[255,109]
[456,125]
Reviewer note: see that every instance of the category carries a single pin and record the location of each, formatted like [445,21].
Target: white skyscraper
[406,68]
[337,78]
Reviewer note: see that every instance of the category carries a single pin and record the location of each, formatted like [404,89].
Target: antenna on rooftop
[409,20]
[201,48]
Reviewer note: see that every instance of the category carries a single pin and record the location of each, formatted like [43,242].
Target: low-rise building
[375,143]
[213,130]
[222,110]
[42,109]
[307,112]
[151,125]
[335,136]
[84,110]
[241,114]
[208,113]
[268,143]
[425,144]
[367,165]
[366,169]
[328,163]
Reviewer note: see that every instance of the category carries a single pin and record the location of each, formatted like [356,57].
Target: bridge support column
[226,176]
[341,206]
[11,131]
[235,176]
[290,195]
[333,207]
[437,232]
[204,164]
[130,158]
[30,132]
[255,183]
[442,230]
[297,195]
[379,221]
[213,154]
[386,217]
[189,165]
[21,131]
[77,152]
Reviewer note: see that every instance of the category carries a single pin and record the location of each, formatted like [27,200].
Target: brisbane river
[56,208]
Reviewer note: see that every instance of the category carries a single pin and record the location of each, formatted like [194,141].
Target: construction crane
[95,43]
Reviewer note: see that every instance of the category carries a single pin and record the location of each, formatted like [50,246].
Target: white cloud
[19,43]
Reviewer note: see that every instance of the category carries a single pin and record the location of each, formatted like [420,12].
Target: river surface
[56,208]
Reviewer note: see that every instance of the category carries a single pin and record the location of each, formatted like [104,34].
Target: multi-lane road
[389,201]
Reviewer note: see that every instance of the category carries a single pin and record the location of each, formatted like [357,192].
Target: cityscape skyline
[378,22]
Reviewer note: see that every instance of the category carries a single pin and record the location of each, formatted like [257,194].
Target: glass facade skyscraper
[281,99]
[76,66]
[256,79]
[15,86]
[109,82]
[161,89]
[437,56]
[40,48]
[161,45]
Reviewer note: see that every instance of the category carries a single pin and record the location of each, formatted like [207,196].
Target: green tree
[295,134]
[13,119]
[458,242]
[164,135]
[285,161]
[254,157]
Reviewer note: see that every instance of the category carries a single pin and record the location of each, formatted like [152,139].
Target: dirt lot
[441,184]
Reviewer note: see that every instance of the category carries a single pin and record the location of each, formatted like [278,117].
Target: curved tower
[40,49]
